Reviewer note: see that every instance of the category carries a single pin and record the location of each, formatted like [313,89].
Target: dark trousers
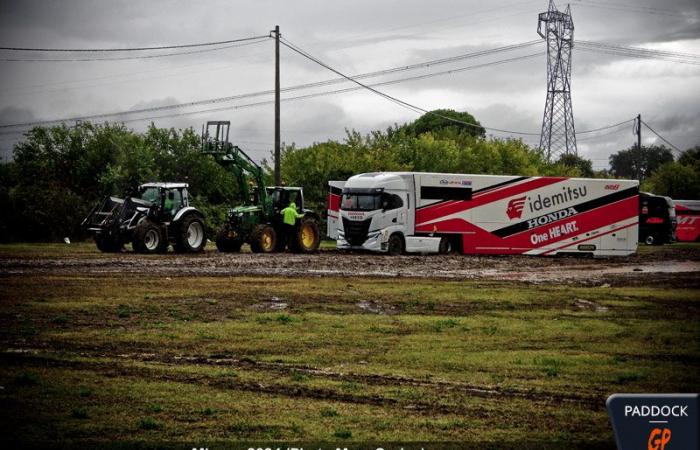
[288,232]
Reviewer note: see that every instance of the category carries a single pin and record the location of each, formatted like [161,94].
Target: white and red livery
[688,220]
[483,214]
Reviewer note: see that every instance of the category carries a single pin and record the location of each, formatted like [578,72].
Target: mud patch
[442,387]
[373,307]
[645,268]
[588,305]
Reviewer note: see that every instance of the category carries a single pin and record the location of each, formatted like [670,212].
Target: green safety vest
[290,214]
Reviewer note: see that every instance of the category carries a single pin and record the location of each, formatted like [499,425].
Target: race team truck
[413,212]
[688,220]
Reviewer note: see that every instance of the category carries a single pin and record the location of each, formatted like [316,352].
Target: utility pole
[639,132]
[638,158]
[278,180]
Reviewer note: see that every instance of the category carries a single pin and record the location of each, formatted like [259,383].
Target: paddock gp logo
[654,421]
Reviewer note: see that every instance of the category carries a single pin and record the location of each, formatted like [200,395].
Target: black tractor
[157,216]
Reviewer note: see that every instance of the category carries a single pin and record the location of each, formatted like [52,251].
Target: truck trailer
[688,220]
[416,212]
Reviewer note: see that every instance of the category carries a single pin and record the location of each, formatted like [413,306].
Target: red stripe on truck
[590,238]
[333,202]
[478,240]
[445,209]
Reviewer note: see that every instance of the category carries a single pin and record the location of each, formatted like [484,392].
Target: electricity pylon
[558,134]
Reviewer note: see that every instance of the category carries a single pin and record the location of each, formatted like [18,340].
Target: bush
[60,173]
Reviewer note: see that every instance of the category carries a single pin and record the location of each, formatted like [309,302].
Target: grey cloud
[357,36]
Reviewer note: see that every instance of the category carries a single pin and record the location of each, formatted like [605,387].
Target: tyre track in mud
[444,388]
[683,265]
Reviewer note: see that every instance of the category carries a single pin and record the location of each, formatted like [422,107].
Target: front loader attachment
[103,215]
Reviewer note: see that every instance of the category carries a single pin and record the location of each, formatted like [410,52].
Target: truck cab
[376,214]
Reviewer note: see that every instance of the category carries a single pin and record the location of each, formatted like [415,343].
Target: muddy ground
[671,265]
[115,347]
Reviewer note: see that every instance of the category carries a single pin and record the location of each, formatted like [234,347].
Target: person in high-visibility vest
[289,221]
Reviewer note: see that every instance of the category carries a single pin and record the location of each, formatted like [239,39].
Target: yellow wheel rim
[307,236]
[267,240]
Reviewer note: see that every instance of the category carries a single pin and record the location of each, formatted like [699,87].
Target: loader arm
[236,161]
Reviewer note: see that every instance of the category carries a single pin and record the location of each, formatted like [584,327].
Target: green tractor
[257,222]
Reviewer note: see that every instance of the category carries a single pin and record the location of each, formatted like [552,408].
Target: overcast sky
[354,37]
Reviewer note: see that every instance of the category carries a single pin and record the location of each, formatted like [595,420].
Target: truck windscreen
[361,202]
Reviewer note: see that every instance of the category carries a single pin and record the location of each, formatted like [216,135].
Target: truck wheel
[264,239]
[649,240]
[306,237]
[149,239]
[227,244]
[445,246]
[190,237]
[396,245]
[107,245]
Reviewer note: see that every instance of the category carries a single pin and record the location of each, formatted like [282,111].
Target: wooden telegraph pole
[278,180]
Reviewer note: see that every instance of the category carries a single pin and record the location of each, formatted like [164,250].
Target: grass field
[109,358]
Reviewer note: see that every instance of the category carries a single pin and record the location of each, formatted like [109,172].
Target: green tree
[691,157]
[583,166]
[639,163]
[398,149]
[675,180]
[439,120]
[60,172]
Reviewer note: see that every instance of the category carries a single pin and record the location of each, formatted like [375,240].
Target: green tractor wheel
[306,238]
[228,242]
[264,239]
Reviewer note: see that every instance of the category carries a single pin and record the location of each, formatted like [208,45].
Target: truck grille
[356,230]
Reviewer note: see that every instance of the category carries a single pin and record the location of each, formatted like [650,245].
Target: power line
[251,41]
[637,52]
[132,49]
[424,64]
[600,135]
[302,97]
[343,78]
[313,95]
[415,108]
[399,102]
[640,50]
[606,127]
[661,137]
[631,55]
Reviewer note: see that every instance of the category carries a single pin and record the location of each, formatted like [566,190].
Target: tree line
[59,173]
